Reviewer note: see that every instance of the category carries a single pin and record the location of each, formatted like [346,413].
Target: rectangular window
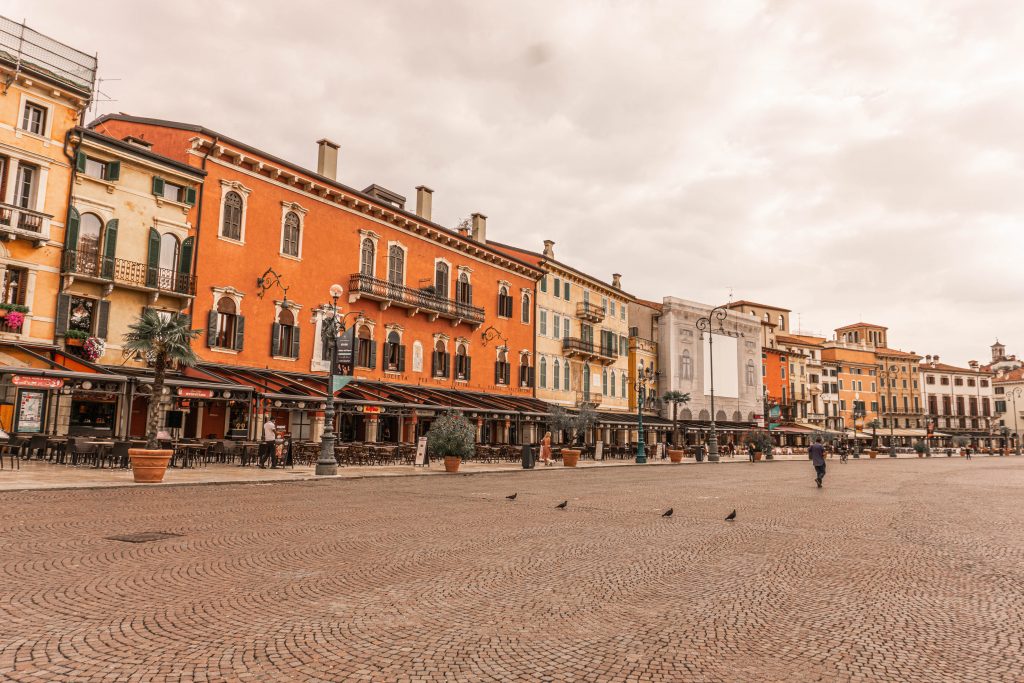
[558,288]
[544,284]
[604,304]
[542,322]
[34,118]
[15,280]
[622,312]
[874,406]
[613,307]
[556,320]
[565,326]
[565,291]
[25,186]
[81,316]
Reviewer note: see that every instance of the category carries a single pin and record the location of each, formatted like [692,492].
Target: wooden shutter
[190,195]
[497,373]
[113,170]
[373,356]
[434,364]
[239,332]
[211,328]
[188,246]
[469,293]
[275,339]
[153,264]
[71,234]
[533,378]
[158,186]
[102,318]
[295,341]
[401,358]
[63,313]
[566,291]
[80,161]
[469,368]
[109,249]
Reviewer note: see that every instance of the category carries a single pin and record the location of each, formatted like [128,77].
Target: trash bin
[700,454]
[529,457]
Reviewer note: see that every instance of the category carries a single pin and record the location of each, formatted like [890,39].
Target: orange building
[774,383]
[436,317]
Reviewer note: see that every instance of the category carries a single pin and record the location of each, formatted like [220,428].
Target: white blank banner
[727,383]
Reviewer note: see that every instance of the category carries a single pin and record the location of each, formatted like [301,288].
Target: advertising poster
[31,404]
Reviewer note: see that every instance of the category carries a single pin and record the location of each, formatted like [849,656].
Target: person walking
[968,451]
[269,443]
[750,450]
[545,449]
[817,453]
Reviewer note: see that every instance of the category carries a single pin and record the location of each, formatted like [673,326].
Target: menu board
[31,407]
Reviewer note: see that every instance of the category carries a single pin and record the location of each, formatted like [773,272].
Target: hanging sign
[421,451]
[40,382]
[195,393]
[371,409]
[343,352]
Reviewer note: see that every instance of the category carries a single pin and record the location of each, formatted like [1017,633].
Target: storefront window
[93,414]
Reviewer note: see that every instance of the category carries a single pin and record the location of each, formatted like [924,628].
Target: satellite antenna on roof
[100,95]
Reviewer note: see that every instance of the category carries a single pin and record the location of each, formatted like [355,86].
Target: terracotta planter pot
[757,456]
[451,463]
[148,466]
[872,455]
[74,341]
[675,455]
[3,313]
[570,457]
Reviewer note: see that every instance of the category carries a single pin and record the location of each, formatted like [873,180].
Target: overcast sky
[845,159]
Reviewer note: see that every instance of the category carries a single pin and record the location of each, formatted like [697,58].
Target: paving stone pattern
[898,570]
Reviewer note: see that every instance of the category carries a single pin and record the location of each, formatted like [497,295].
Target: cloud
[845,160]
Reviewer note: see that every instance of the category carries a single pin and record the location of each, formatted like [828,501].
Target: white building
[958,401]
[683,359]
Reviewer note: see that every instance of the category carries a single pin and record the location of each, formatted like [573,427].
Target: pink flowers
[14,319]
[93,348]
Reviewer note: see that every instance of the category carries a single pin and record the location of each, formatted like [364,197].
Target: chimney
[617,280]
[549,249]
[424,201]
[479,228]
[327,159]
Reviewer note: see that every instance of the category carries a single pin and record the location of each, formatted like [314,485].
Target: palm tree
[675,398]
[160,342]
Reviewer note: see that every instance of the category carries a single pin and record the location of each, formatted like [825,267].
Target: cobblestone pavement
[898,570]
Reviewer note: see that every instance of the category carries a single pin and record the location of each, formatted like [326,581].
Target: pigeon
[562,505]
[513,496]
[731,517]
[667,513]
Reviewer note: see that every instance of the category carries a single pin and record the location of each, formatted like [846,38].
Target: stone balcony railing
[589,312]
[416,300]
[19,223]
[588,350]
[131,274]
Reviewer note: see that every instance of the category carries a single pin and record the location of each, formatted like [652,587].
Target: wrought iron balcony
[19,223]
[131,274]
[587,350]
[588,398]
[416,300]
[589,312]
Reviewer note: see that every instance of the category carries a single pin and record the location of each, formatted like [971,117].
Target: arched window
[612,387]
[168,261]
[462,362]
[366,355]
[232,225]
[366,258]
[290,240]
[525,371]
[441,279]
[686,365]
[504,302]
[502,369]
[396,265]
[544,373]
[394,353]
[227,322]
[285,335]
[557,376]
[526,307]
[750,373]
[782,323]
[439,360]
[90,231]
[463,290]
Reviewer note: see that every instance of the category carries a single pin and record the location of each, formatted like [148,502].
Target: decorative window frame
[365,234]
[286,208]
[49,105]
[449,285]
[369,323]
[440,337]
[525,293]
[405,262]
[244,192]
[229,291]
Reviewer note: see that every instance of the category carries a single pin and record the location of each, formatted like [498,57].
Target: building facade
[1008,397]
[959,402]
[643,353]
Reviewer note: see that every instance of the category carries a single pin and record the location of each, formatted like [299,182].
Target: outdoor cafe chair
[13,449]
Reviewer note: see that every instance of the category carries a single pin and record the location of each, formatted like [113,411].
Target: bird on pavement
[513,496]
[562,505]
[667,513]
[731,517]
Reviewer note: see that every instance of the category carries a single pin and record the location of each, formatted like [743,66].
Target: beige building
[130,244]
[643,353]
[805,377]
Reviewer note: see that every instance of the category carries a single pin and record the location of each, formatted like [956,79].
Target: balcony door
[87,248]
[586,383]
[586,334]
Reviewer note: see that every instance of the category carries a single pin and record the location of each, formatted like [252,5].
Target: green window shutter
[102,319]
[63,313]
[188,246]
[80,162]
[373,356]
[239,332]
[113,170]
[401,358]
[211,328]
[190,195]
[153,264]
[469,368]
[109,249]
[158,186]
[275,339]
[295,341]
[71,235]
[566,290]
[447,364]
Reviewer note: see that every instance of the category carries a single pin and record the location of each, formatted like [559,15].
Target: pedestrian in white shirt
[269,443]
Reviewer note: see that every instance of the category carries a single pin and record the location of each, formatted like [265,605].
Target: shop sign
[195,393]
[371,409]
[424,413]
[41,382]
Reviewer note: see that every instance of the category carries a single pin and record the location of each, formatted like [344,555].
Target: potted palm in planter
[451,437]
[675,398]
[160,342]
[762,441]
[575,425]
[920,448]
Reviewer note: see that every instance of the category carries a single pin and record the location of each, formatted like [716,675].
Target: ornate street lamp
[1014,394]
[705,324]
[333,326]
[645,376]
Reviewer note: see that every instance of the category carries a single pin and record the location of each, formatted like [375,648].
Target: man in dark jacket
[817,453]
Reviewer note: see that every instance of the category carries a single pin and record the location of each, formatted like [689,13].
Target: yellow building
[643,353]
[45,87]
[130,245]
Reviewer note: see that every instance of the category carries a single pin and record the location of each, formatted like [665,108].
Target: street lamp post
[705,324]
[889,374]
[640,386]
[334,325]
[1014,393]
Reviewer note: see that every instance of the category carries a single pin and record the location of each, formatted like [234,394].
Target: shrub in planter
[160,342]
[920,448]
[451,437]
[575,425]
[762,441]
[75,337]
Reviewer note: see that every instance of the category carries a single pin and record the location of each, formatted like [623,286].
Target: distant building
[958,400]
